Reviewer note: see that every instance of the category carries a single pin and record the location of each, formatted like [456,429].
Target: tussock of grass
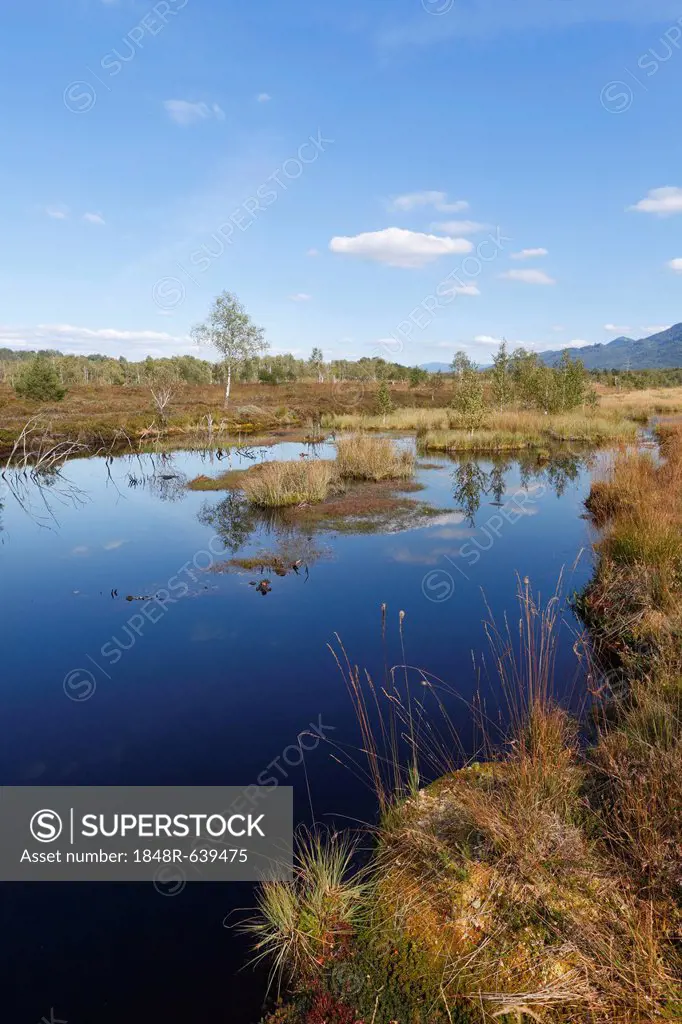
[300,924]
[362,457]
[278,484]
[311,481]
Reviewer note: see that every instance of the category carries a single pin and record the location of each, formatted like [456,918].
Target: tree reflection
[233,519]
[472,483]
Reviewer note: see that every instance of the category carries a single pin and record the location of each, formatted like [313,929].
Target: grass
[105,416]
[407,419]
[502,430]
[279,484]
[519,431]
[634,610]
[225,482]
[300,924]
[362,457]
[640,405]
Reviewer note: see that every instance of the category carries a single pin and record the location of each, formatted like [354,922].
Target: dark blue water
[216,682]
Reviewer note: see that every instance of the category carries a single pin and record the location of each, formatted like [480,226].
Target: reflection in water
[233,519]
[471,483]
[39,491]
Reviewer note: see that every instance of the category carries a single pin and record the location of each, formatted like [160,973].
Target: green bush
[39,382]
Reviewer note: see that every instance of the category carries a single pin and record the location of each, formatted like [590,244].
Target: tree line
[518,378]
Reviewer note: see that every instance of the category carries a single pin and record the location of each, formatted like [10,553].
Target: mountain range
[662,351]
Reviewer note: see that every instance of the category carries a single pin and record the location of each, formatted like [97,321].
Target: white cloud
[529,254]
[184,113]
[662,201]
[462,289]
[578,343]
[313,252]
[487,339]
[398,247]
[460,227]
[263,97]
[676,265]
[108,341]
[300,297]
[656,328]
[452,288]
[57,212]
[486,20]
[417,200]
[94,218]
[616,328]
[528,276]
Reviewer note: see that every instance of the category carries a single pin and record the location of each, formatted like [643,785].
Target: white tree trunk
[227,386]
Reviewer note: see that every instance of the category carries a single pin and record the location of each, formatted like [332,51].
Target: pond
[217,684]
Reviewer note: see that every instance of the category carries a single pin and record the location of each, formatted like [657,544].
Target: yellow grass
[399,419]
[516,431]
[643,404]
[502,430]
[278,484]
[362,457]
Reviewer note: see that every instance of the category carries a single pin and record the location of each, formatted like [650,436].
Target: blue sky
[394,177]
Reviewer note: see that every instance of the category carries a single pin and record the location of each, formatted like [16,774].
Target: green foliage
[39,382]
[316,362]
[529,382]
[468,400]
[384,400]
[418,377]
[500,377]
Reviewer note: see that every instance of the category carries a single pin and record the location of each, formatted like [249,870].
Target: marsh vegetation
[541,881]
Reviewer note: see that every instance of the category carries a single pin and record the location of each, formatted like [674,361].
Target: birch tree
[229,329]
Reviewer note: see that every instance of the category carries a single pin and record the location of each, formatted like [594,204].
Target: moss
[388,978]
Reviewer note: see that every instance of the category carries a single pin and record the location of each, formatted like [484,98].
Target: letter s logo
[46,826]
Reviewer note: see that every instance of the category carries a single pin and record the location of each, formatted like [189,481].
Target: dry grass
[518,431]
[634,609]
[410,419]
[641,405]
[504,430]
[97,414]
[362,457]
[278,484]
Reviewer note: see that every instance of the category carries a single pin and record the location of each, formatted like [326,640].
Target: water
[217,689]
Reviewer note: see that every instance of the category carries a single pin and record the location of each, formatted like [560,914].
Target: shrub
[384,401]
[39,382]
[361,457]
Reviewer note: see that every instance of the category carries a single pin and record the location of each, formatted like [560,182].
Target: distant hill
[661,351]
[436,367]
